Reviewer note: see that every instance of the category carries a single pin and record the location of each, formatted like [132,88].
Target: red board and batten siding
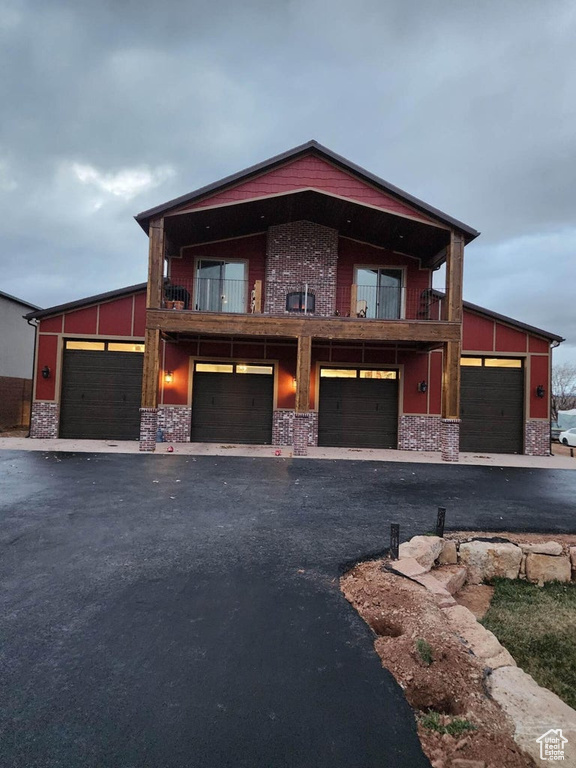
[123,318]
[308,172]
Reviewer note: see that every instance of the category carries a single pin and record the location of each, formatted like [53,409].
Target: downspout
[34,324]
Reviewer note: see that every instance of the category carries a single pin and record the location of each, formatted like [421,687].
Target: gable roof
[505,319]
[310,147]
[96,299]
[18,301]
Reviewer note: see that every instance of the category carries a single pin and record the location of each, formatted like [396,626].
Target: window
[491,362]
[379,292]
[267,370]
[101,346]
[355,373]
[214,368]
[338,373]
[220,286]
[118,346]
[95,346]
[378,374]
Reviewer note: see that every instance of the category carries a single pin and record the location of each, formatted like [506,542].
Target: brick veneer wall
[419,433]
[148,428]
[44,420]
[537,438]
[450,439]
[283,428]
[176,422]
[297,253]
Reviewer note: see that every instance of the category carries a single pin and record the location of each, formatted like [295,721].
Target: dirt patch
[438,674]
[475,597]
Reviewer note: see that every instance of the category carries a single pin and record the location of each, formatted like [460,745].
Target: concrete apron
[270,451]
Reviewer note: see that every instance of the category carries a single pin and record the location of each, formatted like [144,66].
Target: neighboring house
[16,361]
[292,304]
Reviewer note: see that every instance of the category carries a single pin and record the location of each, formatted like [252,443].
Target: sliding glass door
[220,286]
[379,292]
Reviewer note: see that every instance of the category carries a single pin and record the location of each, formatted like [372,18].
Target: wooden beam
[454,278]
[338,328]
[303,374]
[451,380]
[150,369]
[155,264]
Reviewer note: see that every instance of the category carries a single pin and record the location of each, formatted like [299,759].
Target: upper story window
[220,286]
[379,292]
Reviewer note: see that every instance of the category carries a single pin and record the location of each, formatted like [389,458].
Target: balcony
[356,313]
[365,302]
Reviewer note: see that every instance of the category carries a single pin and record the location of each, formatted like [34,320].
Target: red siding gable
[308,172]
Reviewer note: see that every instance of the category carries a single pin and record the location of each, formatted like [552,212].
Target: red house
[292,304]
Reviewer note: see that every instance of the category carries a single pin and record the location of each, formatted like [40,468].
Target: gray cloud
[471,106]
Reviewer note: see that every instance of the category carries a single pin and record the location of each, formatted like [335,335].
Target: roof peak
[312,145]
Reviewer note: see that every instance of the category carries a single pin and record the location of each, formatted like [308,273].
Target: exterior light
[422,386]
[294,383]
[46,372]
[540,391]
[168,377]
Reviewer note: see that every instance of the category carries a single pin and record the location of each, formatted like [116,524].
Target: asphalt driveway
[167,611]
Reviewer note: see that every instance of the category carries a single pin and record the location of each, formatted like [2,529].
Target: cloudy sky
[111,107]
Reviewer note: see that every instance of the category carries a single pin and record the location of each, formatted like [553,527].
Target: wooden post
[353,300]
[153,301]
[303,374]
[150,369]
[155,264]
[258,296]
[453,313]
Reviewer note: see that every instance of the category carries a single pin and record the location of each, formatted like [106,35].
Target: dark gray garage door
[101,393]
[492,409]
[232,407]
[358,412]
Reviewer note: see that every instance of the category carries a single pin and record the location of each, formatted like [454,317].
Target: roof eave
[88,301]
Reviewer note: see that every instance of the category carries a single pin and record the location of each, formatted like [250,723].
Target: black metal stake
[394,540]
[440,520]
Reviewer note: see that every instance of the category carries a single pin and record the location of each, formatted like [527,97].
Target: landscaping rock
[543,548]
[408,567]
[443,598]
[451,577]
[460,763]
[449,554]
[481,641]
[533,710]
[424,549]
[486,560]
[502,659]
[543,568]
[573,557]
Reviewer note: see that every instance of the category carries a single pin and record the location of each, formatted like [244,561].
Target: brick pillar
[44,420]
[450,439]
[302,425]
[148,428]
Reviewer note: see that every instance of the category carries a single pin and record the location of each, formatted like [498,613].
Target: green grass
[424,650]
[538,626]
[456,727]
